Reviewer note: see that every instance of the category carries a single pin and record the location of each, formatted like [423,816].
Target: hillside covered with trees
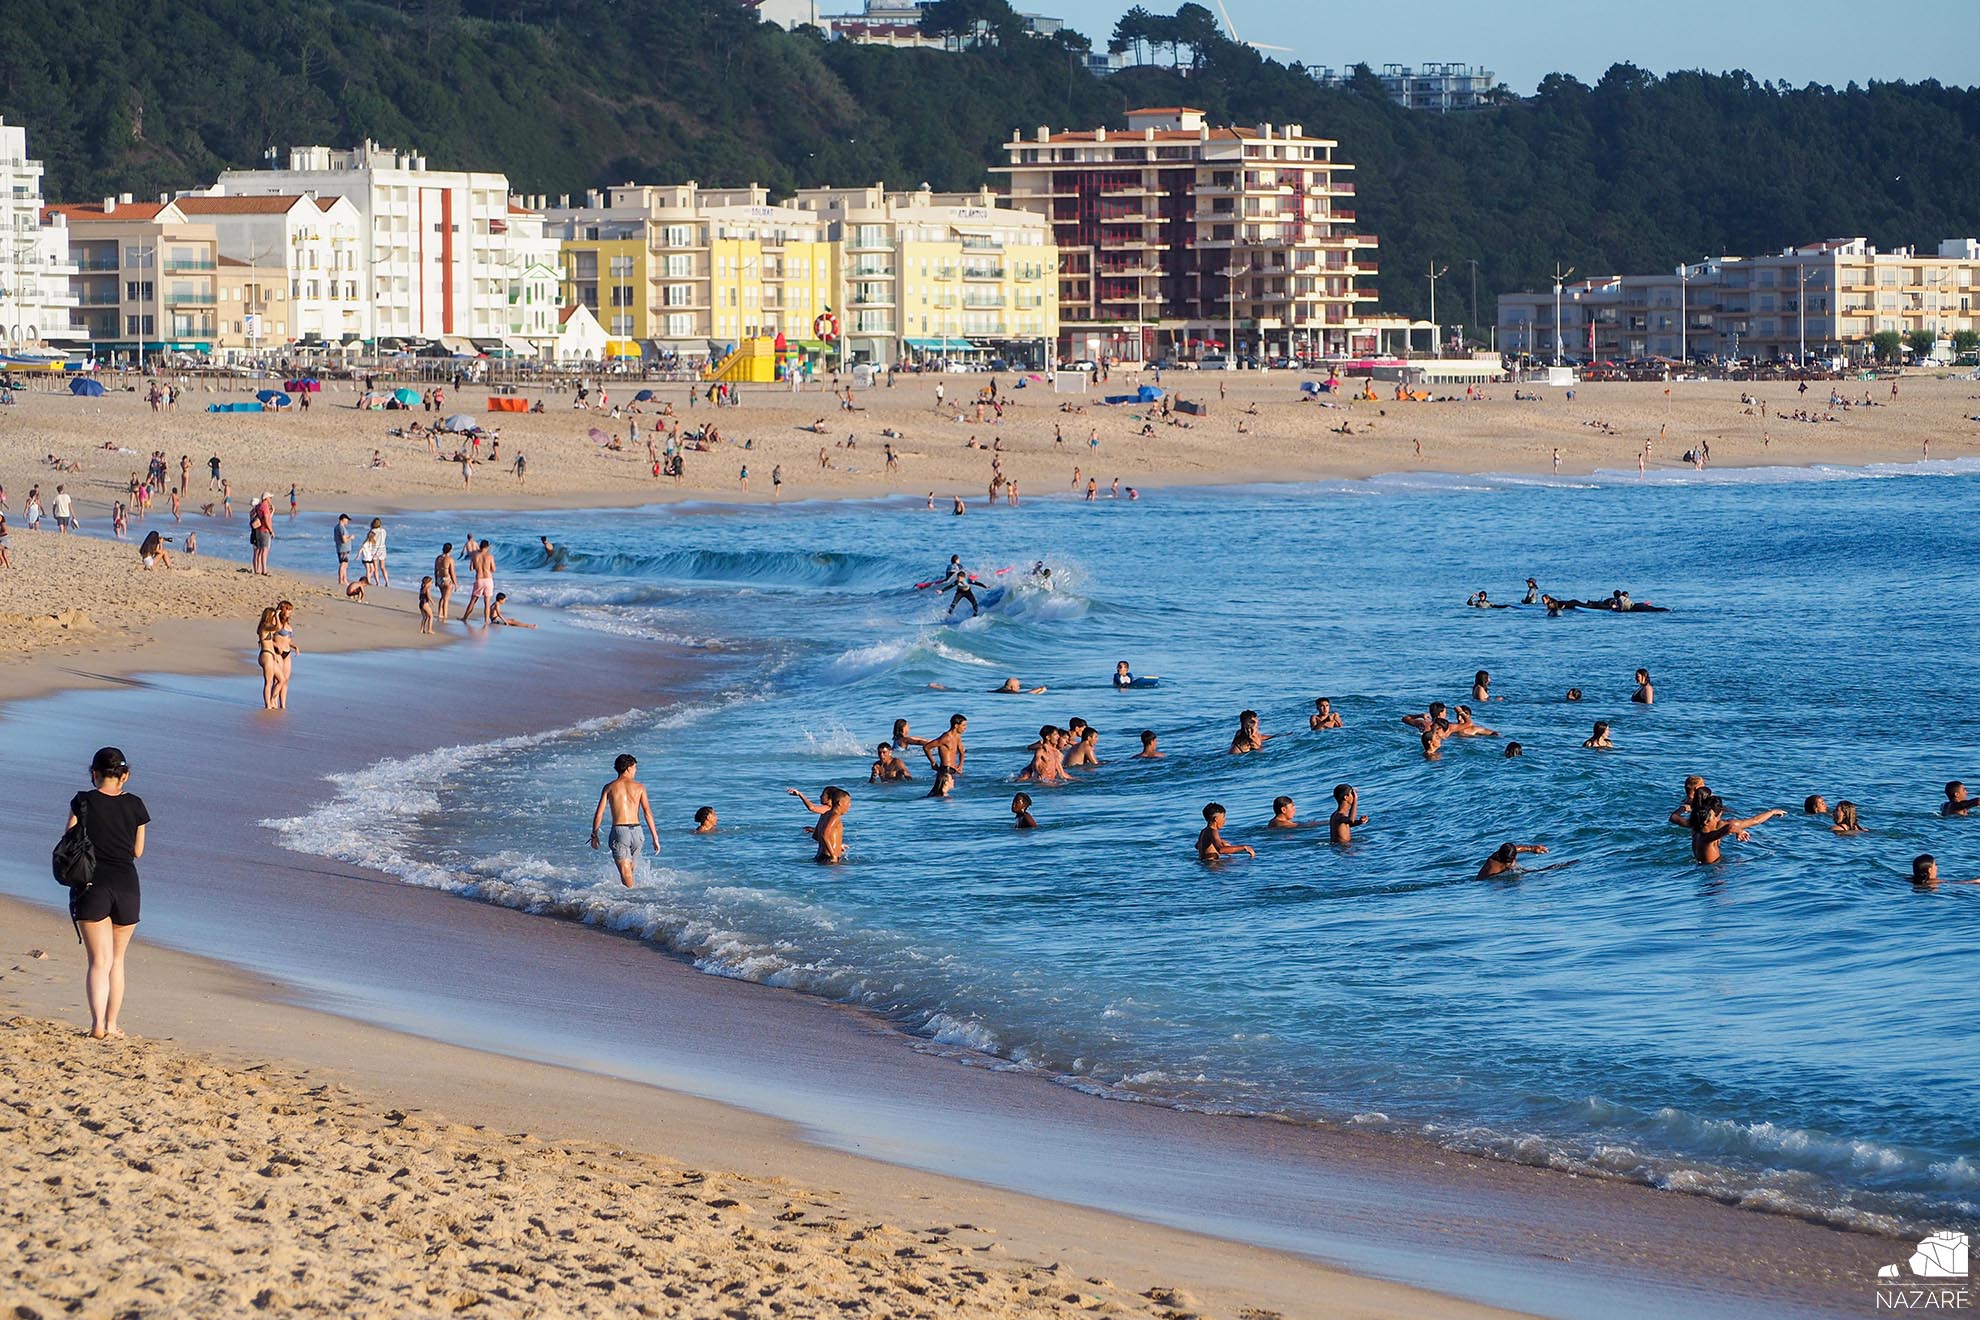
[1636,172]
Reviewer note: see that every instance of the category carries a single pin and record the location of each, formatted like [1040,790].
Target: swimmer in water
[1048,764]
[1464,727]
[1124,678]
[1149,751]
[1011,687]
[1506,859]
[1532,596]
[1480,601]
[1481,687]
[1574,694]
[1514,749]
[1438,711]
[1645,694]
[1599,740]
[1925,873]
[555,557]
[704,820]
[1557,607]
[1210,844]
[945,779]
[1433,738]
[1710,827]
[1846,822]
[1812,805]
[1021,808]
[1694,790]
[1340,825]
[1324,715]
[1085,751]
[1248,738]
[830,830]
[1957,803]
[888,768]
[1284,815]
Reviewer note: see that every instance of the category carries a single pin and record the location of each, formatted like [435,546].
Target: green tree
[1921,342]
[1889,344]
[1965,341]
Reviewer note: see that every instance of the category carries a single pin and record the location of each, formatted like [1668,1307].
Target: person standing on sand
[64,509]
[626,797]
[341,536]
[106,911]
[261,532]
[378,535]
[213,473]
[481,561]
[285,650]
[443,577]
[185,472]
[267,658]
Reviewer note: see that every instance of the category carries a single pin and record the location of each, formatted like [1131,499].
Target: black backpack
[75,856]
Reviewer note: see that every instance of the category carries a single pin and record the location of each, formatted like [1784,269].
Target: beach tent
[273,398]
[507,403]
[458,422]
[300,386]
[408,397]
[87,388]
[233,407]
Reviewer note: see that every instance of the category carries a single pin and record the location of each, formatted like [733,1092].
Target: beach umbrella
[599,436]
[459,422]
[642,396]
[87,388]
[408,397]
[274,398]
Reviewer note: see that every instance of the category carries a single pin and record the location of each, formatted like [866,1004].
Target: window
[622,295]
[622,266]
[137,290]
[679,295]
[678,236]
[680,266]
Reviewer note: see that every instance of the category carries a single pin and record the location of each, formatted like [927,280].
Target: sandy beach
[304,1116]
[265,1157]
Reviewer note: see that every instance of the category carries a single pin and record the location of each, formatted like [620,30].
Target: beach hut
[86,388]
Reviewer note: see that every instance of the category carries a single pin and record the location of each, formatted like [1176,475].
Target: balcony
[188,265]
[870,273]
[982,304]
[96,264]
[189,300]
[871,301]
[983,273]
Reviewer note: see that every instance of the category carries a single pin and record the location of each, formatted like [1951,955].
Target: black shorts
[117,900]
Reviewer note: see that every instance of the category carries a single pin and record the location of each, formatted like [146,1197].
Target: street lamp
[1801,315]
[1231,276]
[1436,331]
[1475,313]
[1560,278]
[1684,316]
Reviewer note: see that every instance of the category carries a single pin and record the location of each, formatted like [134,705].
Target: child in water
[830,831]
[1210,844]
[1021,808]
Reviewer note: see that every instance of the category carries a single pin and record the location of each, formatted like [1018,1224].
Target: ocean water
[1791,1029]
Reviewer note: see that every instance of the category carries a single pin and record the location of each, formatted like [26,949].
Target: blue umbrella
[87,388]
[642,396]
[273,398]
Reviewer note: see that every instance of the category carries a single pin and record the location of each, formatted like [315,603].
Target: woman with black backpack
[109,823]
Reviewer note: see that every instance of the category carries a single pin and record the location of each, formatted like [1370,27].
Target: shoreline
[1364,1178]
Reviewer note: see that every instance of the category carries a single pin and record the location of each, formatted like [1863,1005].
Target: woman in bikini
[285,651]
[269,659]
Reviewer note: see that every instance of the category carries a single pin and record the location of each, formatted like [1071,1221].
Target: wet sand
[508,986]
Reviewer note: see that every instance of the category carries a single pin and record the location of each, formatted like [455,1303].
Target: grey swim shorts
[625,842]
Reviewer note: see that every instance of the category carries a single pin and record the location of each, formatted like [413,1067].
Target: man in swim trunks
[481,561]
[1324,715]
[1047,765]
[1438,714]
[1149,751]
[1957,803]
[946,751]
[1465,728]
[1285,815]
[626,797]
[1010,687]
[555,557]
[1084,749]
[1248,738]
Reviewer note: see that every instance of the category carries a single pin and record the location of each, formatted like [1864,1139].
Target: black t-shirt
[113,825]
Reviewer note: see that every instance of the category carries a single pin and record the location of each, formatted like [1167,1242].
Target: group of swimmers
[1618,601]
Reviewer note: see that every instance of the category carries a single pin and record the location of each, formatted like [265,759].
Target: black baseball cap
[109,761]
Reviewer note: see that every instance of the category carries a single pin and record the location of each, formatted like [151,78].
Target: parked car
[1213,362]
[1088,365]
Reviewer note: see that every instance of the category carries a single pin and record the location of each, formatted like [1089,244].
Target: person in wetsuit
[958,580]
[106,912]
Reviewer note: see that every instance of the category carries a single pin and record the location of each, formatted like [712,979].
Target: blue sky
[1821,41]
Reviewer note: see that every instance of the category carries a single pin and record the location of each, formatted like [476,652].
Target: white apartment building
[1442,86]
[36,297]
[437,240]
[1825,300]
[534,301]
[320,241]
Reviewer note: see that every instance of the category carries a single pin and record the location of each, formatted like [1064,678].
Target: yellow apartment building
[146,278]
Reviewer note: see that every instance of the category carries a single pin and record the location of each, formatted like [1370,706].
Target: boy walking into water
[626,797]
[830,831]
